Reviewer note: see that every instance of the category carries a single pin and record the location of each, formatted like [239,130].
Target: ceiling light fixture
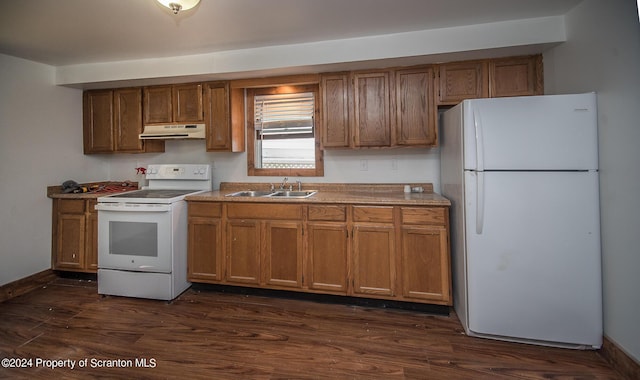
[179,5]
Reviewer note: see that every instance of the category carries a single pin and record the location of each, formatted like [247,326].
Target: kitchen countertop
[387,194]
[115,186]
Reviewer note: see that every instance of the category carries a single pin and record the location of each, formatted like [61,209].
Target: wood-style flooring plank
[205,334]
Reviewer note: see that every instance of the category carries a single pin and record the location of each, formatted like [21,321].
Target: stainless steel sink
[250,193]
[293,194]
[278,194]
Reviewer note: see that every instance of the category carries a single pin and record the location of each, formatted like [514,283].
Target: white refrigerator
[522,176]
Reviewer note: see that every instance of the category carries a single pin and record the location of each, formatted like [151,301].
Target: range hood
[173,131]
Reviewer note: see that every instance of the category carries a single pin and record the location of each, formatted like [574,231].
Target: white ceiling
[69,32]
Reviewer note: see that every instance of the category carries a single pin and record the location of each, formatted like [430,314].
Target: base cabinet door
[71,239]
[75,235]
[327,250]
[243,252]
[283,254]
[425,264]
[374,260]
[205,242]
[205,237]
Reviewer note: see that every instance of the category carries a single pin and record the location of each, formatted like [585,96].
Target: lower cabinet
[243,252]
[424,254]
[246,244]
[205,241]
[75,235]
[327,249]
[389,252]
[373,251]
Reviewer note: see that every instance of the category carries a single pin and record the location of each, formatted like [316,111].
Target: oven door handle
[133,207]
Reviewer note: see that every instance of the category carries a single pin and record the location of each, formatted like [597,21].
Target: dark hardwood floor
[205,334]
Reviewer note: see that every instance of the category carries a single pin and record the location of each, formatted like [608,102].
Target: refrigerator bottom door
[534,267]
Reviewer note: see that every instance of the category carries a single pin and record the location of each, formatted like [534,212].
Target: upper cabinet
[224,117]
[180,103]
[371,104]
[516,76]
[335,110]
[415,107]
[499,77]
[383,108]
[112,121]
[462,80]
[379,108]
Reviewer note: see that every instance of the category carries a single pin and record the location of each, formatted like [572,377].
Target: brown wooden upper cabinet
[335,110]
[371,104]
[511,76]
[224,117]
[516,76]
[462,80]
[112,121]
[180,103]
[415,107]
[379,108]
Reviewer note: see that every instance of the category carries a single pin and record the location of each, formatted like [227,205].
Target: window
[283,138]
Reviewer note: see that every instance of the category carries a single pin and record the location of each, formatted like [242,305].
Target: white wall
[40,145]
[602,54]
[411,165]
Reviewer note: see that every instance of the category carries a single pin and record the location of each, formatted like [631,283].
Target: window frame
[318,171]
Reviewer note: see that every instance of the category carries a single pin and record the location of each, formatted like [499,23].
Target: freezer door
[553,132]
[533,256]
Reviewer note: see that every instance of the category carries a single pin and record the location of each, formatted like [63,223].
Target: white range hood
[173,131]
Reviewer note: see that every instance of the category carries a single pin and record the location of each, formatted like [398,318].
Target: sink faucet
[283,185]
[299,183]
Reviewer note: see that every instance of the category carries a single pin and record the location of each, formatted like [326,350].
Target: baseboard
[27,284]
[619,360]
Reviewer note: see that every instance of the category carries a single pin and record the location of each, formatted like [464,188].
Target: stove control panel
[179,171]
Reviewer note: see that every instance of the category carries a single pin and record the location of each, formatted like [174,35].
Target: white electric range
[142,234]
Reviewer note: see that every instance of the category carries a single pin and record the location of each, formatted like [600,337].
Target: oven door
[134,237]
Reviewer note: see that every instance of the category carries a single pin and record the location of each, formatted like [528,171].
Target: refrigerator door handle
[477,123]
[479,202]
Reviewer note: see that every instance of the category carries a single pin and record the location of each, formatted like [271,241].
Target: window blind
[284,116]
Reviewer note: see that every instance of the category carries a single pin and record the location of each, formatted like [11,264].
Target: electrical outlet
[364,165]
[394,164]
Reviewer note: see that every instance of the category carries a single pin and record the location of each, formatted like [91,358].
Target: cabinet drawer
[263,211]
[328,213]
[71,206]
[424,215]
[373,214]
[205,209]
